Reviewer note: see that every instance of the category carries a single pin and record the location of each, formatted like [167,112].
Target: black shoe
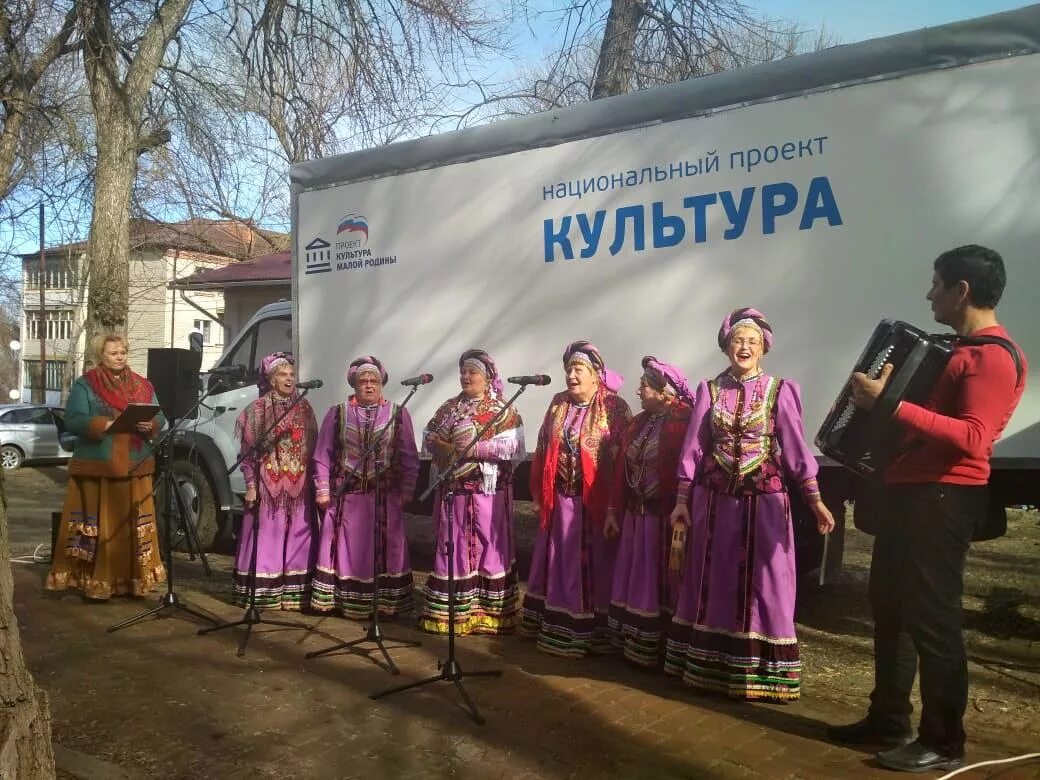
[865,732]
[915,757]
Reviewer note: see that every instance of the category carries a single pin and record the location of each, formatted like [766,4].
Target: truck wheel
[11,457]
[201,504]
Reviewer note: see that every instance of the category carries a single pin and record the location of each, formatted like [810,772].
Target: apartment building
[157,317]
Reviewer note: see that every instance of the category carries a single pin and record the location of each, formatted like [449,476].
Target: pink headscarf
[268,366]
[490,370]
[361,363]
[665,373]
[746,317]
[609,379]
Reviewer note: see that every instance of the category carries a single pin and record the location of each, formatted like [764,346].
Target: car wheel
[11,457]
[200,503]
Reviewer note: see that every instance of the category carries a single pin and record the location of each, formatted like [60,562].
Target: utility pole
[41,323]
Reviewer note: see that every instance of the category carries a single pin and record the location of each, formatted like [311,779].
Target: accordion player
[865,441]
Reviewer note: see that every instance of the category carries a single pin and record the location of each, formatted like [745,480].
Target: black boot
[866,732]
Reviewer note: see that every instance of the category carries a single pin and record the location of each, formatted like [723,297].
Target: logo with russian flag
[355,225]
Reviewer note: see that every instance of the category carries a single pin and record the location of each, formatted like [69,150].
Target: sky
[854,20]
[849,20]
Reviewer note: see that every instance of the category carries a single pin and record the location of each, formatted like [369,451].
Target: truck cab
[206,448]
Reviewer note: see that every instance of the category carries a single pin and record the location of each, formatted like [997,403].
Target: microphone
[415,381]
[233,370]
[534,379]
[310,384]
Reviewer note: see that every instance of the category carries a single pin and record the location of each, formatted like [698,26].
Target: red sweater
[950,438]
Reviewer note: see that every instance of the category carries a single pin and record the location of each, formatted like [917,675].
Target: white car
[31,432]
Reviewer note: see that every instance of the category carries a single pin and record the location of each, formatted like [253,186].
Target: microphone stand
[374,632]
[252,616]
[450,671]
[171,491]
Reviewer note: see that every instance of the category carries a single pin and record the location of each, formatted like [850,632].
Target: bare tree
[28,50]
[121,56]
[576,73]
[25,720]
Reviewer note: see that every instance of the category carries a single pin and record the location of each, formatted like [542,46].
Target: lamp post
[15,394]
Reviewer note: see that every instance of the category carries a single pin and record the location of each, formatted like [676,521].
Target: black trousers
[916,583]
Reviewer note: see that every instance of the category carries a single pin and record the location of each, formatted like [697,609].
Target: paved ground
[158,701]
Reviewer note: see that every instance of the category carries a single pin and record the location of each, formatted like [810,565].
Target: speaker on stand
[174,373]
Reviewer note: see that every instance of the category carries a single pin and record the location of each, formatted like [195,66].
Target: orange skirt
[107,542]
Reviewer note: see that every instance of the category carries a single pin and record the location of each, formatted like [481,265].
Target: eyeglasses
[746,342]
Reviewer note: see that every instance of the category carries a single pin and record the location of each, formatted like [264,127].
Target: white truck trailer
[818,189]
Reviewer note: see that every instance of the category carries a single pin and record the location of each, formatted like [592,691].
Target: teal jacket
[101,454]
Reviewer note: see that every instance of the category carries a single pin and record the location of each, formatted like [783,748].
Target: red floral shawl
[119,390]
[602,428]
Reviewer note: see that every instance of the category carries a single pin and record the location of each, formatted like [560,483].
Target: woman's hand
[680,515]
[824,518]
[250,498]
[144,427]
[441,448]
[611,527]
[322,500]
[108,424]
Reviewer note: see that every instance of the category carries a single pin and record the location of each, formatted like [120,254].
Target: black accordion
[865,441]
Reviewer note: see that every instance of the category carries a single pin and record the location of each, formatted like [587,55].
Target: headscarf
[484,363]
[661,375]
[746,318]
[366,363]
[590,355]
[268,366]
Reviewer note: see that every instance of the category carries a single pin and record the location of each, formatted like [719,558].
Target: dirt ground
[157,700]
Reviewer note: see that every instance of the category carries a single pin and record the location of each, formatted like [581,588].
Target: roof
[961,43]
[233,239]
[272,269]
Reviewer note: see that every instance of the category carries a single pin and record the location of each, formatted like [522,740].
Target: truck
[818,189]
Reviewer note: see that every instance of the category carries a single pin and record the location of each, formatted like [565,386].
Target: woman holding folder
[107,542]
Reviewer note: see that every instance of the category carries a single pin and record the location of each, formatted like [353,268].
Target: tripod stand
[450,670]
[374,632]
[252,615]
[171,491]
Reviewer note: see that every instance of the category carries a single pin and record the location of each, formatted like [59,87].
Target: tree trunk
[117,93]
[109,247]
[614,68]
[25,718]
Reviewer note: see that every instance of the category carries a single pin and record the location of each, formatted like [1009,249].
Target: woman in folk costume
[642,498]
[733,629]
[107,543]
[276,465]
[364,440]
[480,493]
[572,563]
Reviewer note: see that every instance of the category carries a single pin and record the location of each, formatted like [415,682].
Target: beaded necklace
[572,434]
[633,478]
[757,394]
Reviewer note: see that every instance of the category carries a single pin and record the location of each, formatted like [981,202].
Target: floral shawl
[601,432]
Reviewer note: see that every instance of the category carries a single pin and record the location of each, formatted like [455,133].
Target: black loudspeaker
[174,373]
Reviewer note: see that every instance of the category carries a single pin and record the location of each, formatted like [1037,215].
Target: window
[273,335]
[55,374]
[205,328]
[31,415]
[58,324]
[60,273]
